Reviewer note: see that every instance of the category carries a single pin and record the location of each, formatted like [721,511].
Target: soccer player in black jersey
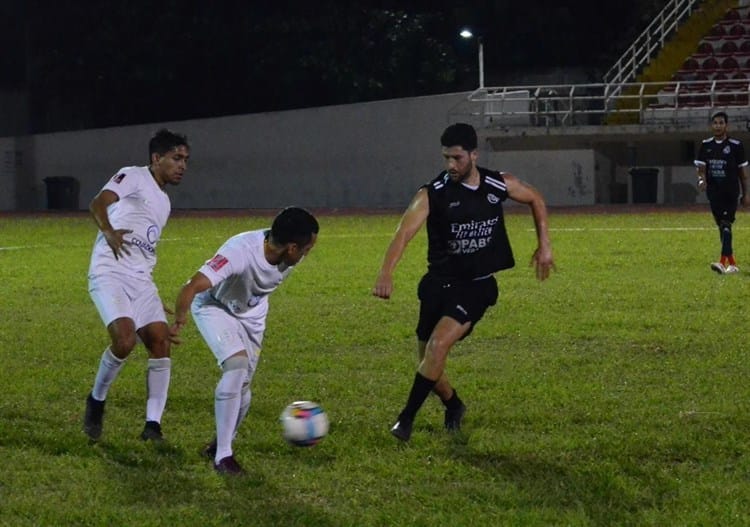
[722,173]
[467,244]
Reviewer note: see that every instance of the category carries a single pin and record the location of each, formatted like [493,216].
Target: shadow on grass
[608,493]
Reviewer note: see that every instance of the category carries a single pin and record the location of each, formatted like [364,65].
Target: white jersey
[241,277]
[144,208]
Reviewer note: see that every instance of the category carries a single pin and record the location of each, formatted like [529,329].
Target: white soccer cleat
[731,269]
[718,267]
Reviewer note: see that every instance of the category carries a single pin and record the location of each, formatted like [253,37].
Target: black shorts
[464,301]
[723,205]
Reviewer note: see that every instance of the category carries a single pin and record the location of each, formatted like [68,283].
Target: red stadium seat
[745,46]
[732,14]
[729,46]
[730,63]
[709,64]
[737,29]
[718,31]
[706,48]
[690,64]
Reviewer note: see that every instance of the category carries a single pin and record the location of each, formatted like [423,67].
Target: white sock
[109,368]
[245,398]
[157,383]
[227,403]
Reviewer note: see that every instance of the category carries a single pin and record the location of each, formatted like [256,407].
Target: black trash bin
[645,184]
[62,192]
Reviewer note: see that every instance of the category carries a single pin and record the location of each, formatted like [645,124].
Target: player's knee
[437,348]
[122,345]
[725,225]
[158,348]
[236,362]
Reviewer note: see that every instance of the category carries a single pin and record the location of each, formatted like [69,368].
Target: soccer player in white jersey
[131,210]
[228,298]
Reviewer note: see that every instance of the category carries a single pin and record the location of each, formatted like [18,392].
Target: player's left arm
[744,173]
[197,284]
[522,192]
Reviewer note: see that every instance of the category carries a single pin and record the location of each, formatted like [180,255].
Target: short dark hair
[165,140]
[720,114]
[460,134]
[294,225]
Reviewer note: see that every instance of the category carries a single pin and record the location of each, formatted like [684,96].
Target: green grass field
[616,393]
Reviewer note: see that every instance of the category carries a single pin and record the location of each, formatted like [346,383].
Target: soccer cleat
[92,419]
[454,417]
[152,431]
[228,465]
[718,267]
[209,450]
[402,429]
[731,269]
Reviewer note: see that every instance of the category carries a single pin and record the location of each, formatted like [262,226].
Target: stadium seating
[718,72]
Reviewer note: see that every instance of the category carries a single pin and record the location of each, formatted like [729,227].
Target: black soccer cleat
[228,465]
[454,417]
[93,418]
[152,432]
[209,450]
[402,429]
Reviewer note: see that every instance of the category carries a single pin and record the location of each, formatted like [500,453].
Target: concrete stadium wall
[368,155]
[371,155]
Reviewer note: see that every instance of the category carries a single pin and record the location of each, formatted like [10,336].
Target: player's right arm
[700,168]
[115,237]
[411,221]
[197,284]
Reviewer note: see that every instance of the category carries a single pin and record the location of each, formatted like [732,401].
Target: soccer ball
[304,423]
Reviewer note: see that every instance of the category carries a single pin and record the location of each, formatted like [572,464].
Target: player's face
[458,162]
[719,127]
[170,167]
[295,253]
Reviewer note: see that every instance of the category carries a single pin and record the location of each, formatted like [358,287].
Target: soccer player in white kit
[228,298]
[131,210]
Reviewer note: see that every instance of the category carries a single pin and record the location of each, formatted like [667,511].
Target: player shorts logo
[152,234]
[217,262]
[118,178]
[492,198]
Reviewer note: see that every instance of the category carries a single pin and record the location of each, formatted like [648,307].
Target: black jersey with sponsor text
[723,160]
[466,228]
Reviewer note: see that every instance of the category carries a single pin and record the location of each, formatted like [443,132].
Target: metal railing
[645,46]
[564,105]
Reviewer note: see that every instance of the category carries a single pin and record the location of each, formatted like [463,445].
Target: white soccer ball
[304,423]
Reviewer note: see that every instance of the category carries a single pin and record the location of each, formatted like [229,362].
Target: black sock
[419,391]
[453,402]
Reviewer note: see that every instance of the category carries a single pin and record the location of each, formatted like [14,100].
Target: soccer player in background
[467,245]
[228,298]
[722,173]
[131,211]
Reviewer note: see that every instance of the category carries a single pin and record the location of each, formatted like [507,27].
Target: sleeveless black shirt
[466,228]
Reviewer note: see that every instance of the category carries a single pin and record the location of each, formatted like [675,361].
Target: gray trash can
[62,192]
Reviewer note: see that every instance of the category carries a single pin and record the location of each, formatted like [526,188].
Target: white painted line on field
[633,229]
[388,234]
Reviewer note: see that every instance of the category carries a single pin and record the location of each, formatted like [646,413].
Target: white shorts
[226,334]
[124,297]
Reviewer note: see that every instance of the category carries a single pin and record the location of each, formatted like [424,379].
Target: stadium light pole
[467,34]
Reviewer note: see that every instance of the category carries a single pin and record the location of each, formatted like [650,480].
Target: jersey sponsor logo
[119,177]
[217,262]
[468,245]
[492,198]
[152,233]
[142,245]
